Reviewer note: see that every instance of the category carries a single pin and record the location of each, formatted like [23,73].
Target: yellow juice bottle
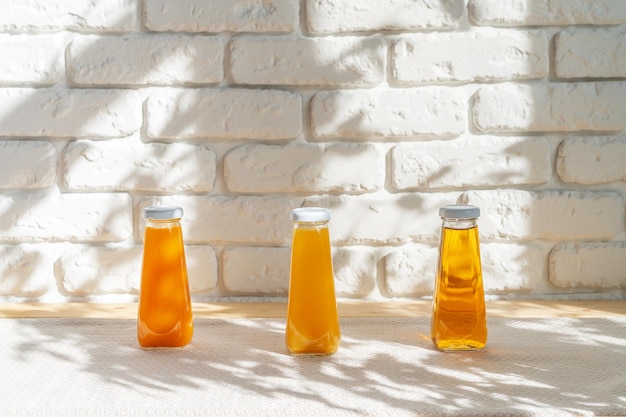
[312,319]
[164,317]
[458,317]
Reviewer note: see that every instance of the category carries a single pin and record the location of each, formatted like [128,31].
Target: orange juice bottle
[164,317]
[458,318]
[312,319]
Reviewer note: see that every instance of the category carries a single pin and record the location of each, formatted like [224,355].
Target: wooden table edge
[347,308]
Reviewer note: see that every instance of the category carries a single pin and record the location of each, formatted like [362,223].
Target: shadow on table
[385,365]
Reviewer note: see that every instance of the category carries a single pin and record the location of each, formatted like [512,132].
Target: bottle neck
[311,225]
[154,223]
[458,224]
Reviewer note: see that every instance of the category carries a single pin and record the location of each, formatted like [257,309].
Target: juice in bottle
[459,319]
[164,316]
[312,319]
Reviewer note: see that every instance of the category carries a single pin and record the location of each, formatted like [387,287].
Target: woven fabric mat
[240,367]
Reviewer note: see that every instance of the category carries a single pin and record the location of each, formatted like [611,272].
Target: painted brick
[474,56]
[95,270]
[327,16]
[554,215]
[202,268]
[221,113]
[98,270]
[549,108]
[471,161]
[388,113]
[242,219]
[349,61]
[510,268]
[265,270]
[26,270]
[591,53]
[546,12]
[355,270]
[350,168]
[220,16]
[256,270]
[32,59]
[37,217]
[383,220]
[69,113]
[592,265]
[78,15]
[131,165]
[410,271]
[139,60]
[506,268]
[592,160]
[27,165]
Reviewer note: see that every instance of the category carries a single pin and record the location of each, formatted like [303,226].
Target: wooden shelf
[520,309]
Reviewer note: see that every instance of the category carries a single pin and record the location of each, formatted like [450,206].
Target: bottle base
[461,346]
[311,354]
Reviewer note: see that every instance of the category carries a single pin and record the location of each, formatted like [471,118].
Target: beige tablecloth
[384,367]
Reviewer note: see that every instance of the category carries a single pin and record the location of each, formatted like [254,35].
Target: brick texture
[79,15]
[35,217]
[388,221]
[328,16]
[27,165]
[591,53]
[592,160]
[69,113]
[245,219]
[220,113]
[31,59]
[127,165]
[96,270]
[547,12]
[140,60]
[474,162]
[557,107]
[506,268]
[595,265]
[220,16]
[349,61]
[525,215]
[393,114]
[349,168]
[480,56]
[380,110]
[254,270]
[26,270]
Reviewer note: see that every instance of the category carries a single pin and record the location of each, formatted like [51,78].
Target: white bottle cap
[162,212]
[310,215]
[459,211]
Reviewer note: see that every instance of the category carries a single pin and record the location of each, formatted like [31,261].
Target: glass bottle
[312,319]
[164,316]
[458,317]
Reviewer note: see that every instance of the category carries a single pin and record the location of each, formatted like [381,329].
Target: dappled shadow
[384,366]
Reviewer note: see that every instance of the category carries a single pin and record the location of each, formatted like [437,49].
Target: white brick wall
[481,56]
[347,168]
[346,61]
[381,110]
[388,113]
[157,59]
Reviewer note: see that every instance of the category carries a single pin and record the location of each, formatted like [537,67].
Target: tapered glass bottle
[312,319]
[458,316]
[165,315]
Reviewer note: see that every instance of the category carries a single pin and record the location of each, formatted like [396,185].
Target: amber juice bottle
[164,316]
[312,319]
[458,317]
